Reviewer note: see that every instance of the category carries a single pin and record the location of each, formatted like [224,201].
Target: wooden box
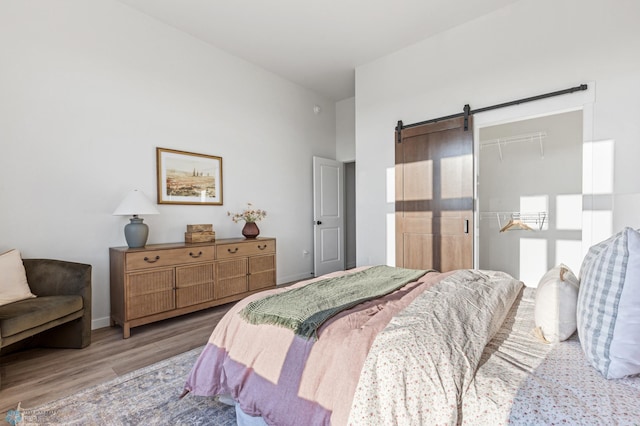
[199,237]
[200,228]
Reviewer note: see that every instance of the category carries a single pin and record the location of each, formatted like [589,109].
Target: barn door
[434,196]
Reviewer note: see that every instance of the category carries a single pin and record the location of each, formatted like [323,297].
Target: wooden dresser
[161,281]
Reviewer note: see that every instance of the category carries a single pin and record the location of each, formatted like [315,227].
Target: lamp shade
[135,203]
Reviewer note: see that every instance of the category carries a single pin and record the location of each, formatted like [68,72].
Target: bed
[442,348]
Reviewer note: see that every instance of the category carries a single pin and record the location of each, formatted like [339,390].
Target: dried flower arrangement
[248,215]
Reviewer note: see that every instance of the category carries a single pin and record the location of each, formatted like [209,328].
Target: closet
[530,195]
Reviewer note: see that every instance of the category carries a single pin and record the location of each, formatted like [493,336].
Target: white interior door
[328,212]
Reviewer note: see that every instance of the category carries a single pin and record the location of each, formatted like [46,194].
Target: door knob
[318,222]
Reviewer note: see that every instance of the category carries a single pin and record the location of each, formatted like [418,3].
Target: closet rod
[468,111]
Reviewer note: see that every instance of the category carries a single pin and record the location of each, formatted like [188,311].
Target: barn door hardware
[467,111]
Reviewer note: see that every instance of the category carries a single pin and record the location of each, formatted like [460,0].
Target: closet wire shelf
[527,137]
[517,221]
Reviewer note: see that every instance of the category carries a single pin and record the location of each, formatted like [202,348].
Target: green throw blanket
[305,309]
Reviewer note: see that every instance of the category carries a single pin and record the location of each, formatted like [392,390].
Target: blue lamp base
[136,232]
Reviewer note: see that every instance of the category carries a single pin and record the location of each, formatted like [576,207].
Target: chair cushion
[19,316]
[13,279]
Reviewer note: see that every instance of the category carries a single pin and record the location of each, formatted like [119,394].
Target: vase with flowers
[250,216]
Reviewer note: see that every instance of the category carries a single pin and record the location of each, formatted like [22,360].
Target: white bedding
[422,362]
[524,381]
[515,379]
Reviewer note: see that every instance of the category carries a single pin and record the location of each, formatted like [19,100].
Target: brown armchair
[61,314]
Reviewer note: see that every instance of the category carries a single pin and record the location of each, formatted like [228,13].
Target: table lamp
[134,204]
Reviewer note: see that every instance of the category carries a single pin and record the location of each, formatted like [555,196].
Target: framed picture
[188,178]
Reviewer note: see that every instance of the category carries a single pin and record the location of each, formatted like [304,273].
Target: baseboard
[100,323]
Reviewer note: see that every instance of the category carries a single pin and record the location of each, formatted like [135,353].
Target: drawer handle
[146,259]
[195,256]
[235,250]
[262,247]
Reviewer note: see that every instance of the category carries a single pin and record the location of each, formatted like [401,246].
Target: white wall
[525,49]
[88,90]
[346,130]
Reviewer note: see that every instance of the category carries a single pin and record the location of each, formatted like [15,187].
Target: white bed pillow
[555,304]
[609,305]
[13,279]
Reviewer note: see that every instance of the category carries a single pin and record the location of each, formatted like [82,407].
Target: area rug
[148,396]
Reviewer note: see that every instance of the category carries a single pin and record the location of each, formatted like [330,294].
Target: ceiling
[316,44]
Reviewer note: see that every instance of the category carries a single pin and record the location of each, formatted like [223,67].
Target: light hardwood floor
[35,376]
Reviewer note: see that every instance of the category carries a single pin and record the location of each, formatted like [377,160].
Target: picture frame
[188,177]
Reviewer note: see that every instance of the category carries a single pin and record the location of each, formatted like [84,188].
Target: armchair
[61,314]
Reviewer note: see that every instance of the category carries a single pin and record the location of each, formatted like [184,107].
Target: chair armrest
[48,277]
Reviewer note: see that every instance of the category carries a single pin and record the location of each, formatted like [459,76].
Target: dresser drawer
[158,258]
[246,248]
